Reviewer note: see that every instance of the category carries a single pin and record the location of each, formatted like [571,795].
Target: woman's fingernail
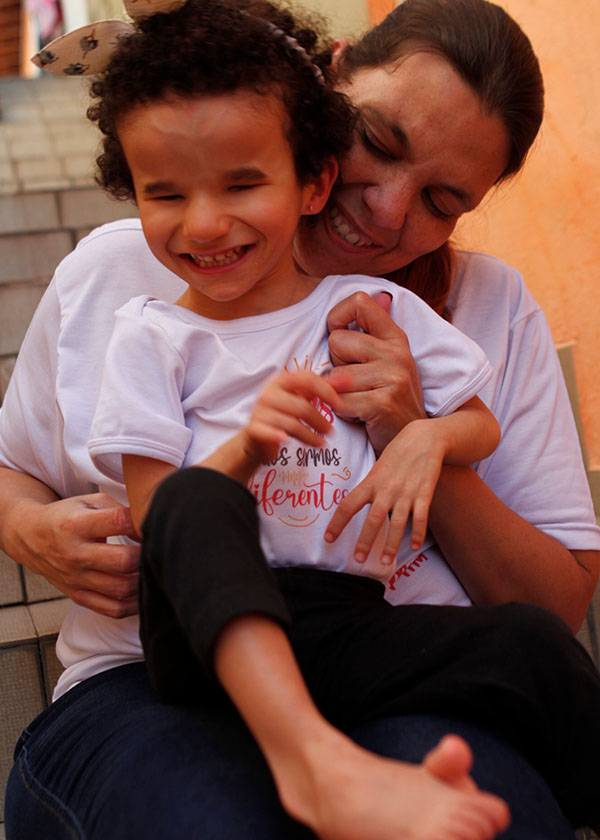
[328,536]
[360,557]
[387,559]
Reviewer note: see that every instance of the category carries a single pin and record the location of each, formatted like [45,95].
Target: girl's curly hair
[217,47]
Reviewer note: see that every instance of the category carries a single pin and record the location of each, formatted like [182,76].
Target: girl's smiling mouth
[220,260]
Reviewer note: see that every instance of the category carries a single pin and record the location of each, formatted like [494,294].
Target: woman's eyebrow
[398,133]
[401,137]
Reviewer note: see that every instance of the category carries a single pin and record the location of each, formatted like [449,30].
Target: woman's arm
[65,541]
[496,554]
[499,557]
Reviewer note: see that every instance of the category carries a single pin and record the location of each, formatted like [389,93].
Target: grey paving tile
[11,589]
[32,256]
[30,171]
[80,167]
[91,207]
[30,212]
[47,616]
[30,148]
[6,368]
[16,626]
[23,699]
[57,183]
[38,588]
[17,306]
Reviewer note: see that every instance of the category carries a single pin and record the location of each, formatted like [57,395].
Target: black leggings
[515,670]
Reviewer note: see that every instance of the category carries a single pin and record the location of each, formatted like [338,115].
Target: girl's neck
[258,301]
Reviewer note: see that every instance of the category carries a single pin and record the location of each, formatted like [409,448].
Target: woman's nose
[205,221]
[389,202]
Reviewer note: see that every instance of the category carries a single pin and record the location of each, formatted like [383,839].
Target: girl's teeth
[219,259]
[344,231]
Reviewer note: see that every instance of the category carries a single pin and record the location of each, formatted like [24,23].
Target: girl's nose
[389,202]
[205,221]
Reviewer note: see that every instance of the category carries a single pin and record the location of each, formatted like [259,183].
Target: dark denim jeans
[108,761]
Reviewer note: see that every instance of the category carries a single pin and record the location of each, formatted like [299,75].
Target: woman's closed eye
[434,208]
[372,143]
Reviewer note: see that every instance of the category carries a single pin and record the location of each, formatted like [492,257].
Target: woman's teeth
[343,230]
[225,258]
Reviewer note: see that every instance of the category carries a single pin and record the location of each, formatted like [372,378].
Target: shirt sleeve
[139,410]
[452,367]
[31,425]
[538,468]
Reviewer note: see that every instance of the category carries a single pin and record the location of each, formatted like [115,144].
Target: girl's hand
[402,482]
[288,407]
[382,386]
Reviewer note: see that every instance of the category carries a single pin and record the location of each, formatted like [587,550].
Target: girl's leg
[514,670]
[204,577]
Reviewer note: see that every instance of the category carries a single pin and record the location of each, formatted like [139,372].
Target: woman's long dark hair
[491,53]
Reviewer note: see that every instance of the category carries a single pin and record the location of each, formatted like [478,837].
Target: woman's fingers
[367,313]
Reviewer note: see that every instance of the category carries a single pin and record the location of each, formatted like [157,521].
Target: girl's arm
[404,478]
[496,554]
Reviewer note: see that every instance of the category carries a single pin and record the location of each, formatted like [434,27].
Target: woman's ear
[338,50]
[318,188]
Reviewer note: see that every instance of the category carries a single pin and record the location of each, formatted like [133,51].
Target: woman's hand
[65,542]
[382,386]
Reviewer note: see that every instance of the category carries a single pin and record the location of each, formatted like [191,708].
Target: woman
[364,207]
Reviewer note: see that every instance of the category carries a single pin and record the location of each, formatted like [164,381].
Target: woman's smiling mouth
[343,228]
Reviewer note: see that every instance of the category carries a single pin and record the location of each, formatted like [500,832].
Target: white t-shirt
[46,417]
[177,385]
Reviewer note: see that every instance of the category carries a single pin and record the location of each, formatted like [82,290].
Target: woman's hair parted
[492,55]
[215,47]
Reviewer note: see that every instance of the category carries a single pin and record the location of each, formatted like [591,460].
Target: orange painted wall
[547,221]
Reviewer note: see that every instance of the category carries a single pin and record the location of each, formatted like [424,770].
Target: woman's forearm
[20,495]
[499,557]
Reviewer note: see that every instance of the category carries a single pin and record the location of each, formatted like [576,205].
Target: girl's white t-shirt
[177,385]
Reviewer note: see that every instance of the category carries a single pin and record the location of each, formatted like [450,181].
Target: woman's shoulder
[485,285]
[112,264]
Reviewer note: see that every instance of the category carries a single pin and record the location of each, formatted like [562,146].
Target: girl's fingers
[372,525]
[419,521]
[347,508]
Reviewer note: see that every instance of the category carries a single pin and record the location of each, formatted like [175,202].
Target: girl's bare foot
[451,762]
[349,793]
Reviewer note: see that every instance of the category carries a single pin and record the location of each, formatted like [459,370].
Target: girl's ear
[316,191]
[338,50]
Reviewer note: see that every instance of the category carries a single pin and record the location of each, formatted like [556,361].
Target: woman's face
[424,154]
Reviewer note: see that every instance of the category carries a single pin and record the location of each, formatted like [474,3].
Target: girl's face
[219,199]
[424,154]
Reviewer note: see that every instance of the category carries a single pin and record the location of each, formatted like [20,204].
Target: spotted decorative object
[88,50]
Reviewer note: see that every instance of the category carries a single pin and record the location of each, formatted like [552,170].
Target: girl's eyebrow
[246,173]
[159,187]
